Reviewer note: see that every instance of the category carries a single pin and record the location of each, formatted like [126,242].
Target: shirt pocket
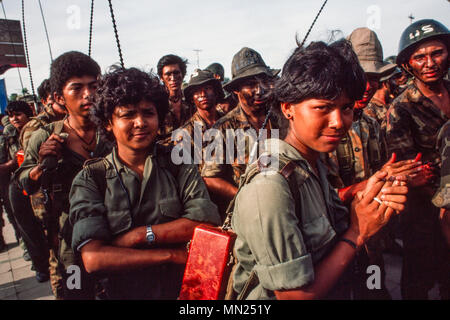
[170,208]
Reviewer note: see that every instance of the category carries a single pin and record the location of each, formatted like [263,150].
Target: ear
[108,127]
[59,99]
[287,109]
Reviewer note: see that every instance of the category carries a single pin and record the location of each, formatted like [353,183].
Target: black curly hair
[44,89]
[171,59]
[119,87]
[71,64]
[19,106]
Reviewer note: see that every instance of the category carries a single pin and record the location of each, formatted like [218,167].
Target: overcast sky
[150,29]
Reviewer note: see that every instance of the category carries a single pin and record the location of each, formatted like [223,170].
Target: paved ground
[18,282]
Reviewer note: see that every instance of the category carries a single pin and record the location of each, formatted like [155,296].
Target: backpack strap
[96,168]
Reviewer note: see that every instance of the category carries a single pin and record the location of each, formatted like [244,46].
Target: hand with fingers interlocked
[373,207]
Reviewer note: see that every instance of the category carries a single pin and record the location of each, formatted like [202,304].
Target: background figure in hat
[361,153]
[229,101]
[401,82]
[250,75]
[203,91]
[171,71]
[414,120]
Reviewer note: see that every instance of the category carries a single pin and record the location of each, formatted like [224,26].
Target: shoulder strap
[59,125]
[96,168]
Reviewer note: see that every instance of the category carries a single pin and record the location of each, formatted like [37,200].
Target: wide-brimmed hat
[246,63]
[368,48]
[200,78]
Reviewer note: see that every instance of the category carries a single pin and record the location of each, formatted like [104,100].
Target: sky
[149,29]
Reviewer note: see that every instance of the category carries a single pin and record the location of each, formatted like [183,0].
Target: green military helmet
[418,32]
[216,68]
[200,78]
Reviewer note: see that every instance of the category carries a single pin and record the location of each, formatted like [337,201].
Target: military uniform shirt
[171,123]
[227,166]
[413,123]
[442,197]
[158,198]
[377,110]
[270,238]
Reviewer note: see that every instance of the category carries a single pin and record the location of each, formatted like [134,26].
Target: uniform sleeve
[442,197]
[264,219]
[195,197]
[398,133]
[87,211]
[31,159]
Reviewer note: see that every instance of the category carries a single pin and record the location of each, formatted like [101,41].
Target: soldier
[362,152]
[250,76]
[30,230]
[133,217]
[227,103]
[293,234]
[50,113]
[73,79]
[171,71]
[413,122]
[203,91]
[442,197]
[379,104]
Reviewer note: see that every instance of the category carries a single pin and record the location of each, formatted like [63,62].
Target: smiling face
[77,95]
[18,119]
[317,125]
[429,61]
[134,126]
[250,93]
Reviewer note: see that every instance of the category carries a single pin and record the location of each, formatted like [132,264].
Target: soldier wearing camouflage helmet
[413,123]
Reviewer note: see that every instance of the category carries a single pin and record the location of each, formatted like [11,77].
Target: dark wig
[171,59]
[121,87]
[44,89]
[68,65]
[19,106]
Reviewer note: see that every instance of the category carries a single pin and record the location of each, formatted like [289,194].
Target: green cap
[200,78]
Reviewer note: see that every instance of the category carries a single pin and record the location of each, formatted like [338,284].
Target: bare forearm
[348,193]
[220,187]
[326,273]
[35,173]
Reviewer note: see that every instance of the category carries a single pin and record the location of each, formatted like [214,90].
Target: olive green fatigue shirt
[413,123]
[171,123]
[270,238]
[68,166]
[360,153]
[159,198]
[10,145]
[377,110]
[45,117]
[195,135]
[231,165]
[442,197]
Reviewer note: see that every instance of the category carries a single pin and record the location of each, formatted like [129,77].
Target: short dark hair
[68,65]
[171,59]
[119,87]
[44,89]
[19,106]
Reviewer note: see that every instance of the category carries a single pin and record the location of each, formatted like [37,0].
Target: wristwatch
[150,236]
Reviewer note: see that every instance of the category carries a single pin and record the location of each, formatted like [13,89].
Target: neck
[209,115]
[80,123]
[130,157]
[307,153]
[175,94]
[256,116]
[430,89]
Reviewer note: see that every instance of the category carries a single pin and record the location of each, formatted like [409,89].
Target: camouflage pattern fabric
[170,122]
[413,123]
[377,110]
[442,197]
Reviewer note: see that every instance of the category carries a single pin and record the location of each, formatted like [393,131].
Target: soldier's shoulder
[9,130]
[227,120]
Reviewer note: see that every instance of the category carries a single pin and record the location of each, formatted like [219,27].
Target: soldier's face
[172,77]
[372,85]
[204,97]
[429,62]
[18,119]
[317,125]
[134,126]
[77,95]
[251,93]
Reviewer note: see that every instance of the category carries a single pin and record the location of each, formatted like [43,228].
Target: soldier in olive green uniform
[139,196]
[414,120]
[73,80]
[294,235]
[203,91]
[251,76]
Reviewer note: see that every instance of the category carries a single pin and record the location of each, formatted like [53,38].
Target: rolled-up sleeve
[195,197]
[267,229]
[87,211]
